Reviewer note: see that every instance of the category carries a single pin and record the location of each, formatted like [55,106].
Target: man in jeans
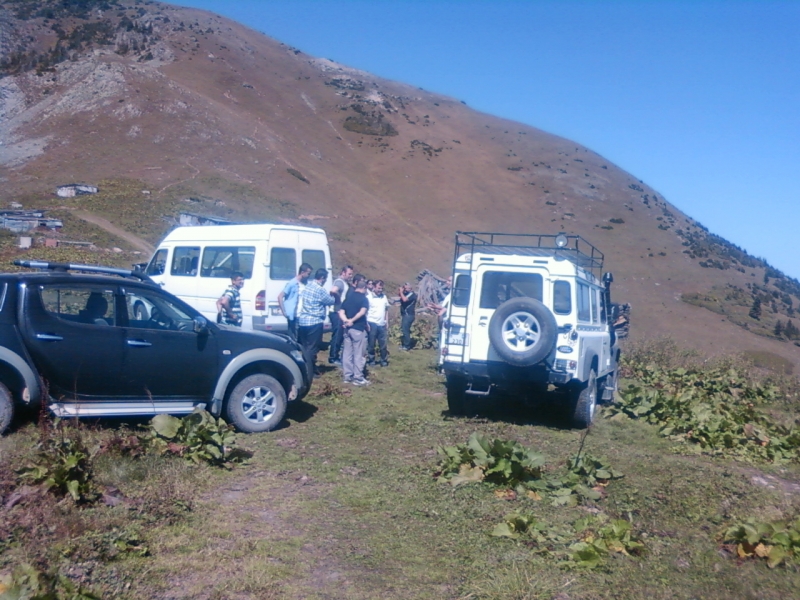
[354,324]
[289,298]
[339,292]
[408,312]
[377,317]
[309,322]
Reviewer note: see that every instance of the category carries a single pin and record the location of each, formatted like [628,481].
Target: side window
[184,261]
[222,261]
[595,306]
[562,298]
[282,263]
[316,258]
[77,304]
[158,263]
[584,310]
[499,286]
[461,290]
[151,311]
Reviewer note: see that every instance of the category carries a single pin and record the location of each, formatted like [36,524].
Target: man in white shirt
[378,321]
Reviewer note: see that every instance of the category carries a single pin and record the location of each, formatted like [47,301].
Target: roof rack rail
[64,267]
[571,247]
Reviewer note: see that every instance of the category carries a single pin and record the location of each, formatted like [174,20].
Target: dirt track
[133,240]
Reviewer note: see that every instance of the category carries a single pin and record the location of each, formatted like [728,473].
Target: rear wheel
[6,408]
[585,402]
[456,394]
[257,404]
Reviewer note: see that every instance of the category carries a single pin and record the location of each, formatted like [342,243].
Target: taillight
[261,300]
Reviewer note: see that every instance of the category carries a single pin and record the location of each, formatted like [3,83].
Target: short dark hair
[378,282]
[304,267]
[236,275]
[359,280]
[344,268]
[321,274]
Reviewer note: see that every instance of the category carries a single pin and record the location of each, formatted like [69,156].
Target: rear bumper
[506,376]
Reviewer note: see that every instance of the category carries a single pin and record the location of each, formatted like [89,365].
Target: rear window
[316,258]
[499,286]
[223,261]
[184,261]
[282,263]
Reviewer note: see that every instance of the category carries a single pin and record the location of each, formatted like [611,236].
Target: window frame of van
[235,251]
[584,303]
[154,261]
[314,264]
[176,251]
[272,263]
[462,290]
[561,309]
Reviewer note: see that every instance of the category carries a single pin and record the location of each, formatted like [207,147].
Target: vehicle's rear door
[70,332]
[495,285]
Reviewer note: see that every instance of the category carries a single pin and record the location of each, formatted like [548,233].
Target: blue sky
[699,99]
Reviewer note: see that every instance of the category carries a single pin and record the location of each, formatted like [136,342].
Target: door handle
[139,343]
[49,337]
[482,321]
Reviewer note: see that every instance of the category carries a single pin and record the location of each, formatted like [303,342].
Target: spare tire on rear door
[523,331]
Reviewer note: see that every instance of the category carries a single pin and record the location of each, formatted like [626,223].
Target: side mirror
[200,325]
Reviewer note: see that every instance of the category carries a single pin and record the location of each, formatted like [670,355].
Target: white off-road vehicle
[526,313]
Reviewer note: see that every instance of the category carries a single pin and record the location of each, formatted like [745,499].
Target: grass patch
[342,502]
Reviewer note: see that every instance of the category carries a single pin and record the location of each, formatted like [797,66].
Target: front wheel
[256,404]
[585,402]
[6,408]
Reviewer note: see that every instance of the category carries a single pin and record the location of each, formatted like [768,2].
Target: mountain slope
[188,104]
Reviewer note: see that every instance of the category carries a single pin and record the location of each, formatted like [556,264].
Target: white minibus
[195,264]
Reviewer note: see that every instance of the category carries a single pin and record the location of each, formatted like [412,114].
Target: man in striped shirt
[315,300]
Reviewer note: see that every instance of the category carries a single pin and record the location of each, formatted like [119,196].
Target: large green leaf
[166,426]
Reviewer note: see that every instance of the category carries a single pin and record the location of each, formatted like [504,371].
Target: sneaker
[361,382]
[347,381]
[403,349]
[334,361]
[384,363]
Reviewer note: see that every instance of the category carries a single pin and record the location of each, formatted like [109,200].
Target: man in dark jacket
[353,315]
[408,312]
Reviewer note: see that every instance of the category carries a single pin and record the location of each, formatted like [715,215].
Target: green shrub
[198,437]
[63,464]
[776,542]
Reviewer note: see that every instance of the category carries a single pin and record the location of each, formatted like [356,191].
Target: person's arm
[361,312]
[280,301]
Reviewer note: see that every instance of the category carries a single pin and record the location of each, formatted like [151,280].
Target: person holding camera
[408,312]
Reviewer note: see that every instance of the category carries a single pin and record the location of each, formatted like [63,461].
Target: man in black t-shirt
[353,314]
[408,312]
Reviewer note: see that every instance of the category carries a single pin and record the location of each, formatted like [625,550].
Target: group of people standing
[359,316]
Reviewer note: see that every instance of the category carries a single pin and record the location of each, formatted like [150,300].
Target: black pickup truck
[94,341]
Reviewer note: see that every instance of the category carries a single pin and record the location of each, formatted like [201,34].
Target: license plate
[457,339]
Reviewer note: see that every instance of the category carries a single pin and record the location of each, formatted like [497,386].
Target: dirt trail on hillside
[133,240]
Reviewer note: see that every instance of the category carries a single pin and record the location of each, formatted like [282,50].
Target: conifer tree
[778,328]
[755,311]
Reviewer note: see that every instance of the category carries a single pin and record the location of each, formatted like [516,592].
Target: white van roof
[220,233]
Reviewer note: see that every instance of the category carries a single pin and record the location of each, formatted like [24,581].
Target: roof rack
[65,267]
[570,247]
